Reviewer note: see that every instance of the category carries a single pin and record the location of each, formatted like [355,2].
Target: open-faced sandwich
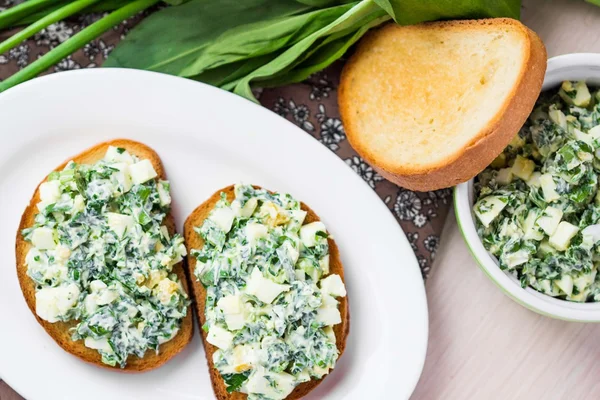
[99,262]
[270,294]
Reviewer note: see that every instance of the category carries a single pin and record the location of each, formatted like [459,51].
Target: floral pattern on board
[311,105]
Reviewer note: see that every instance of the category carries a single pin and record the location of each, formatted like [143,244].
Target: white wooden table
[482,345]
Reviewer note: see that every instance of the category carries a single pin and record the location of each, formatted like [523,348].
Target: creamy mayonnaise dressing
[271,300]
[100,255]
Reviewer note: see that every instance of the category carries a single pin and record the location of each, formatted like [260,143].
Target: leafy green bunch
[233,44]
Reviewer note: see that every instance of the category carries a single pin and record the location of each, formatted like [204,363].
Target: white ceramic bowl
[582,66]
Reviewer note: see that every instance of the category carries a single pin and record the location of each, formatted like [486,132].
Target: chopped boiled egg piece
[523,167]
[333,285]
[549,188]
[585,280]
[329,316]
[534,179]
[561,238]
[504,176]
[233,311]
[549,219]
[532,231]
[254,232]
[328,301]
[154,278]
[118,155]
[558,117]
[595,132]
[273,214]
[230,304]
[78,204]
[120,223]
[258,383]
[43,238]
[122,176]
[584,137]
[517,258]
[583,96]
[517,142]
[308,233]
[50,191]
[591,233]
[219,337]
[52,303]
[62,253]
[565,283]
[246,210]
[324,264]
[142,172]
[244,356]
[164,195]
[298,216]
[223,217]
[165,289]
[264,289]
[488,208]
[98,344]
[330,333]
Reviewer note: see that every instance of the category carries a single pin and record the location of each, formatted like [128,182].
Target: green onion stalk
[47,12]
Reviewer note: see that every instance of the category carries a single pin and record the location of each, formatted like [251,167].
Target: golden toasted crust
[194,241]
[59,331]
[483,147]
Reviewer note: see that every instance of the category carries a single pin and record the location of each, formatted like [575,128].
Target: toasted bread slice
[431,105]
[194,241]
[59,331]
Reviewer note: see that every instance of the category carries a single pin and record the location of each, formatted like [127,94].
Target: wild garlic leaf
[234,381]
[407,12]
[321,57]
[361,11]
[172,39]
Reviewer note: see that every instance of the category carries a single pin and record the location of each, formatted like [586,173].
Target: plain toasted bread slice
[431,105]
[194,241]
[59,331]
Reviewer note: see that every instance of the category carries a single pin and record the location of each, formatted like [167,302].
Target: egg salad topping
[538,204]
[100,255]
[271,301]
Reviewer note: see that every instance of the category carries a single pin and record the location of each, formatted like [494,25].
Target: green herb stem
[20,11]
[102,6]
[76,42]
[49,19]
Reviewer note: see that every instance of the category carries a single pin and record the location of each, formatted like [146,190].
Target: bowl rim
[527,297]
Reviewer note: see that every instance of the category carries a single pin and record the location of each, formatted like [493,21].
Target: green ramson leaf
[362,12]
[172,39]
[175,2]
[406,12]
[321,3]
[320,58]
[234,381]
[263,38]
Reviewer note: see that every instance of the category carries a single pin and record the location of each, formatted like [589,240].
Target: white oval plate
[207,139]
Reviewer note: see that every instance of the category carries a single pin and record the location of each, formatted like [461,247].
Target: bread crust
[194,241]
[59,331]
[485,146]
